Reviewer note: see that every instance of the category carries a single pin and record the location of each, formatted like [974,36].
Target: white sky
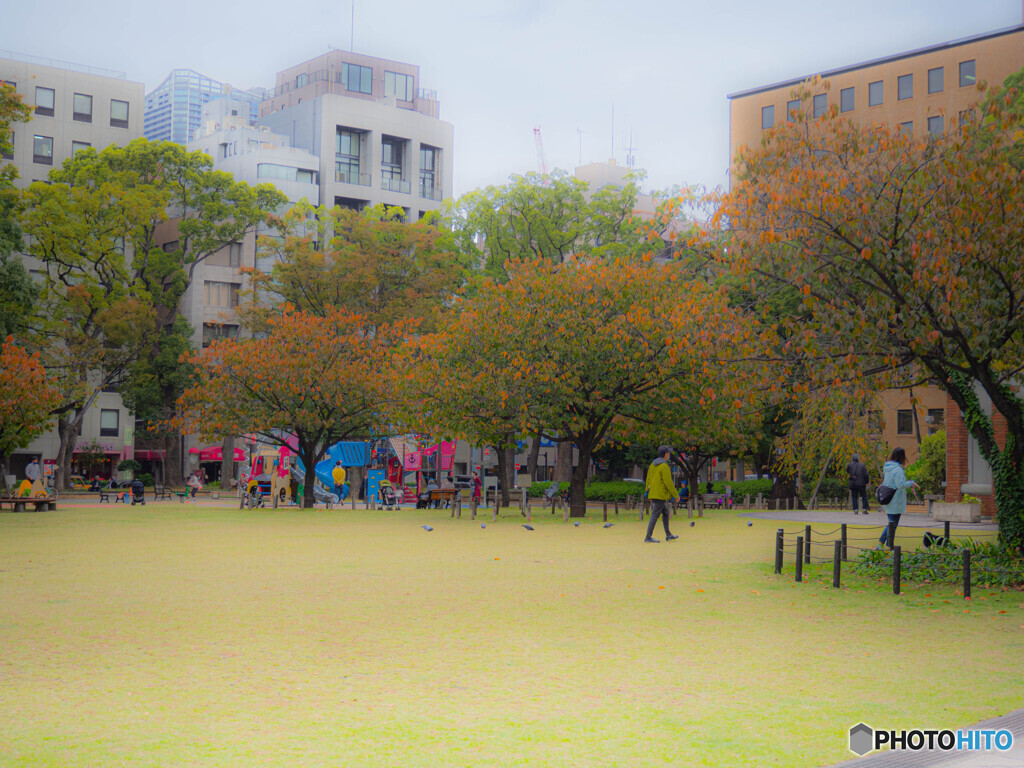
[502,67]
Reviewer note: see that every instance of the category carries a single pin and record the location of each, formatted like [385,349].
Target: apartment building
[174,109]
[73,107]
[921,91]
[377,132]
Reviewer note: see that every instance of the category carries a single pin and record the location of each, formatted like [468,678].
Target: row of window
[359,79]
[348,153]
[905,420]
[42,149]
[81,107]
[285,173]
[876,93]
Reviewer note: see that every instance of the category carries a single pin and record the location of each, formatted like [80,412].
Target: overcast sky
[503,67]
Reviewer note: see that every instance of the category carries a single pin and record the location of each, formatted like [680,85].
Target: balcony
[428,192]
[359,179]
[396,185]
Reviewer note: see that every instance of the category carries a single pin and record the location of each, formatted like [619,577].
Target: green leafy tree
[17,292]
[930,468]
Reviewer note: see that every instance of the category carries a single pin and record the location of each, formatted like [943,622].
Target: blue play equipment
[350,454]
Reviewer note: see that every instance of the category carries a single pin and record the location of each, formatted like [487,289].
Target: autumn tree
[26,399]
[372,263]
[112,289]
[321,378]
[591,350]
[907,254]
[17,292]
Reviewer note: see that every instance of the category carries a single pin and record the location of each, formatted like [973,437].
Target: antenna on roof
[352,29]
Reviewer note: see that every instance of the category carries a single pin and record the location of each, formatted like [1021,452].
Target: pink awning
[216,453]
[145,454]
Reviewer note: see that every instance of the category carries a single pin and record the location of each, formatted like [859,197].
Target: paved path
[1013,722]
[909,520]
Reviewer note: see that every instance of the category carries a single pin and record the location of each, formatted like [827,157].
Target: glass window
[218,294]
[301,80]
[876,93]
[235,255]
[936,416]
[428,172]
[78,146]
[792,108]
[391,165]
[44,101]
[109,422]
[7,150]
[820,104]
[304,176]
[967,73]
[907,127]
[356,78]
[42,150]
[83,108]
[935,125]
[214,331]
[905,87]
[767,117]
[347,149]
[847,102]
[905,422]
[400,86]
[935,78]
[118,113]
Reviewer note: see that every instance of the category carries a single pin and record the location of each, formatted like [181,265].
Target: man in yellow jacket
[338,475]
[660,490]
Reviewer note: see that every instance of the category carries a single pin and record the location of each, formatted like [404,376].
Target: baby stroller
[138,493]
[388,499]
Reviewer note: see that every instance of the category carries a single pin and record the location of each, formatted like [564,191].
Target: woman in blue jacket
[893,476]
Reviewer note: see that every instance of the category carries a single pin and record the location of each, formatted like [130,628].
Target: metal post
[890,534]
[897,570]
[843,539]
[779,543]
[966,555]
[799,558]
[945,531]
[616,508]
[807,544]
[604,508]
[837,558]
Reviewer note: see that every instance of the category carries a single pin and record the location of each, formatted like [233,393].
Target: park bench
[442,494]
[715,501]
[159,492]
[18,504]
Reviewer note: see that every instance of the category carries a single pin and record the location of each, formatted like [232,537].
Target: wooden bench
[442,494]
[18,504]
[159,492]
[715,500]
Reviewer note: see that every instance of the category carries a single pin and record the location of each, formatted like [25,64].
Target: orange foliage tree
[320,378]
[908,255]
[591,350]
[27,399]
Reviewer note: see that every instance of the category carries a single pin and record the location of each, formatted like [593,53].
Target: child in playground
[194,485]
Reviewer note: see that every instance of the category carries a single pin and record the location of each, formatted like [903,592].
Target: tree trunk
[563,464]
[173,470]
[506,470]
[68,431]
[533,456]
[227,463]
[578,483]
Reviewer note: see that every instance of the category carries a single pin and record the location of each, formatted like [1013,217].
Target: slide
[350,454]
[319,492]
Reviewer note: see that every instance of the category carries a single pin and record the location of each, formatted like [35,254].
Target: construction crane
[542,163]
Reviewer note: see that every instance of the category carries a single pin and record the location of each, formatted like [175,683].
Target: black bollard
[837,557]
[945,531]
[799,558]
[890,535]
[779,543]
[605,507]
[966,555]
[807,544]
[897,554]
[843,534]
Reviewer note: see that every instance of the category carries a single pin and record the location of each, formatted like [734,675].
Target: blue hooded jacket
[893,476]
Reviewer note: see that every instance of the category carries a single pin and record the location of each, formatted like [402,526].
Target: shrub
[930,468]
[615,490]
[992,564]
[129,465]
[740,488]
[146,478]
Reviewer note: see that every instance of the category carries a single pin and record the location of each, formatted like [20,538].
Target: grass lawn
[172,634]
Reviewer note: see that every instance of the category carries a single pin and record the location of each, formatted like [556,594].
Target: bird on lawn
[426,528]
[527,527]
[692,524]
[483,525]
[749,523]
[576,524]
[608,525]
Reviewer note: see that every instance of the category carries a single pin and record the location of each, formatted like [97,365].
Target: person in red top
[476,487]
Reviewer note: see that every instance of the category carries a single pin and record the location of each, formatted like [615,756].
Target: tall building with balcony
[174,109]
[377,132]
[74,107]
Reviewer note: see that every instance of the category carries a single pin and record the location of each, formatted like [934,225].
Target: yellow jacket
[338,473]
[659,481]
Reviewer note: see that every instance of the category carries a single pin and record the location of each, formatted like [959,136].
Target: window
[235,255]
[351,203]
[967,73]
[428,172]
[301,80]
[42,150]
[169,247]
[936,417]
[905,422]
[846,100]
[110,422]
[347,148]
[7,153]
[356,78]
[905,87]
[118,113]
[767,117]
[284,172]
[399,86]
[83,108]
[391,157]
[44,101]
[215,331]
[78,146]
[820,104]
[935,125]
[792,108]
[907,127]
[217,294]
[935,78]
[876,93]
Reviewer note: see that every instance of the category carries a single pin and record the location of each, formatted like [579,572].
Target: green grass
[188,635]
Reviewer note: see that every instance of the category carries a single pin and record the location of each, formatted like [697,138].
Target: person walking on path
[858,475]
[893,476]
[338,475]
[660,490]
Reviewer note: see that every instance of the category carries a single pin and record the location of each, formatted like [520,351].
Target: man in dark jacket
[858,475]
